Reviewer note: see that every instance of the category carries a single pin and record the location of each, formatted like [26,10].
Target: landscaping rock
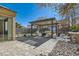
[64,49]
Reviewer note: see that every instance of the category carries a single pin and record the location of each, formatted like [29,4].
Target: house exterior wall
[11,28]
[14,28]
[4,12]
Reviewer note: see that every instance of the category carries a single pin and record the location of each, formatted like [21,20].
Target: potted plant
[74,34]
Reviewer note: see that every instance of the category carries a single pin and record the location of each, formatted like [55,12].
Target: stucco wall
[10,28]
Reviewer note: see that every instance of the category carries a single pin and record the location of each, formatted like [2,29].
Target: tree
[66,10]
[54,7]
[20,29]
[19,26]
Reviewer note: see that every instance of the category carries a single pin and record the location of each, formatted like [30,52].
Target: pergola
[45,22]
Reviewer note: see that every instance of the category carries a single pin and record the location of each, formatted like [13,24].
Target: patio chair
[25,35]
[43,34]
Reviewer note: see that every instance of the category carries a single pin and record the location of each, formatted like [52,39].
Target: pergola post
[41,28]
[38,29]
[56,29]
[52,29]
[31,29]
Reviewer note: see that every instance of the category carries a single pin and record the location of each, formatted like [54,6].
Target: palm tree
[19,25]
[20,28]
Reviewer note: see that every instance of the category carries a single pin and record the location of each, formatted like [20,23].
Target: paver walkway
[45,48]
[34,41]
[17,48]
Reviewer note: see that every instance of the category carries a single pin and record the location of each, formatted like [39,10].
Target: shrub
[74,28]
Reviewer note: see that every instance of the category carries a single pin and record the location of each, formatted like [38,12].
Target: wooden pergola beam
[47,24]
[42,20]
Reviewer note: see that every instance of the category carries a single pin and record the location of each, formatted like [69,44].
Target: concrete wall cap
[73,32]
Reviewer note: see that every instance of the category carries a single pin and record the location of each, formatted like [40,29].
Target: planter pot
[74,37]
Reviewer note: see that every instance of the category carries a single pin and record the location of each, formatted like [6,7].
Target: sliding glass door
[1,30]
[6,29]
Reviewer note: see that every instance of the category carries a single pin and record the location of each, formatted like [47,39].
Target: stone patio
[18,48]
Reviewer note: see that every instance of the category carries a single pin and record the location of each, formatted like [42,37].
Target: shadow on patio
[34,41]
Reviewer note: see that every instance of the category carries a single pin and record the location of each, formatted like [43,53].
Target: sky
[26,12]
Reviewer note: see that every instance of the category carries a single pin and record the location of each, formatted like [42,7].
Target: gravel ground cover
[65,49]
